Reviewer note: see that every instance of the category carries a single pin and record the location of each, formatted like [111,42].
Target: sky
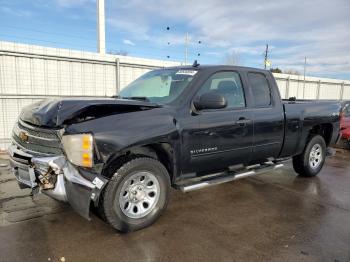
[219,31]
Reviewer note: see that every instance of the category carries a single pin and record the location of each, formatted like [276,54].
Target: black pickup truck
[182,127]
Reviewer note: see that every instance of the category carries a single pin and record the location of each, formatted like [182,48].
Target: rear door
[268,116]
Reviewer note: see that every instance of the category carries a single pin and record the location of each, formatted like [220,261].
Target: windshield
[159,86]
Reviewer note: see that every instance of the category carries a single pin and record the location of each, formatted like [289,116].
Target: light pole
[186,48]
[266,56]
[101,38]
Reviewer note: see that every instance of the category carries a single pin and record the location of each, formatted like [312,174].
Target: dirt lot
[272,217]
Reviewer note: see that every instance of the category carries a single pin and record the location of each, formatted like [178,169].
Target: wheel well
[163,152]
[324,130]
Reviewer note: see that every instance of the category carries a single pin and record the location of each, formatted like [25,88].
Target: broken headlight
[79,149]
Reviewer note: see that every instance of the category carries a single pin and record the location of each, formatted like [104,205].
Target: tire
[137,182]
[310,162]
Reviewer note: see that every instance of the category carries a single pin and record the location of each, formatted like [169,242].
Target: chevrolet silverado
[184,127]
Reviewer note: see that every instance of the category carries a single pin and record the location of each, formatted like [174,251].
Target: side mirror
[210,100]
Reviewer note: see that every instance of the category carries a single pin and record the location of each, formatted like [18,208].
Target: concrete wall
[29,73]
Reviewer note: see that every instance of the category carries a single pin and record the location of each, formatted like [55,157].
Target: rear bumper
[57,178]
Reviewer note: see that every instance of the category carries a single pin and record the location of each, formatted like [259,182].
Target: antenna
[195,64]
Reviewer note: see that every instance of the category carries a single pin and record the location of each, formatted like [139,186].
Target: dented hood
[57,112]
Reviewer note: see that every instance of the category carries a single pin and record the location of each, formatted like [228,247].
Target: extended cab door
[224,136]
[268,116]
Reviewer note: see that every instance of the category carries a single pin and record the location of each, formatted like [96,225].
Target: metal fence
[312,87]
[29,73]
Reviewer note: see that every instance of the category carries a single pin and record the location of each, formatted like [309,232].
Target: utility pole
[101,40]
[186,48]
[266,55]
[304,77]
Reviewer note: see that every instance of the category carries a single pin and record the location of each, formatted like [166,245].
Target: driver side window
[227,84]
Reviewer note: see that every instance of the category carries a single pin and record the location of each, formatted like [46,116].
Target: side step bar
[227,177]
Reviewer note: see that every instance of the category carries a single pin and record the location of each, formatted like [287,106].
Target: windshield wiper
[141,98]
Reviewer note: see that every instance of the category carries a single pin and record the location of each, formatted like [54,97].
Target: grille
[38,141]
[31,130]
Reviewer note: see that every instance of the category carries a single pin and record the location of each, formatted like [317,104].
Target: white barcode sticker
[186,72]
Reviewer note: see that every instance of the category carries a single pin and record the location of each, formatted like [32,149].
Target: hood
[54,113]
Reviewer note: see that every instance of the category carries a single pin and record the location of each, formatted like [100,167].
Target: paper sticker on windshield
[186,72]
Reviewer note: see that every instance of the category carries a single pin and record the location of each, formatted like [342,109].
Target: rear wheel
[136,195]
[310,162]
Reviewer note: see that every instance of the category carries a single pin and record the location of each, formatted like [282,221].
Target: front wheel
[310,162]
[136,195]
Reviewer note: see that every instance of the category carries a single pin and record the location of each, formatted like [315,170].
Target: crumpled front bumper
[68,184]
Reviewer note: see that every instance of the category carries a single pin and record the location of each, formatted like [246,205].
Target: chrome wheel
[315,157]
[139,194]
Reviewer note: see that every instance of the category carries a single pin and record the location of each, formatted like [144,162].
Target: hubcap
[315,157]
[139,194]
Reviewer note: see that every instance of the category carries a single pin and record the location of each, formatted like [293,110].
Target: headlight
[79,149]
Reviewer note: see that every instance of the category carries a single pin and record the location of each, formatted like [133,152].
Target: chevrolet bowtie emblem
[23,136]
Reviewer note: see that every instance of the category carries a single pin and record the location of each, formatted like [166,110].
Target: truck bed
[302,115]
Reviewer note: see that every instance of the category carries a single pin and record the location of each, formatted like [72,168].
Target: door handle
[242,121]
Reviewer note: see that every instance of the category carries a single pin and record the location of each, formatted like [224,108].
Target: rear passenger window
[261,90]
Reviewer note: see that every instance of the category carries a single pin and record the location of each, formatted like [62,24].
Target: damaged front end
[64,165]
[59,179]
[56,177]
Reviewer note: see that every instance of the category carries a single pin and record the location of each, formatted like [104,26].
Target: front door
[224,136]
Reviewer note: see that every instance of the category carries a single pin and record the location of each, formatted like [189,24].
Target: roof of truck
[217,67]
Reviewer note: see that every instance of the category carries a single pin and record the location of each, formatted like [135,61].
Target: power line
[46,32]
[47,41]
[89,46]
[141,53]
[82,45]
[160,52]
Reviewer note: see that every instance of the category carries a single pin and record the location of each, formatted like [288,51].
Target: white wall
[29,73]
[312,87]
